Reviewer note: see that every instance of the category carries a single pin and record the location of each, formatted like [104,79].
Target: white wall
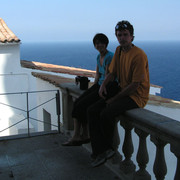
[9,58]
[50,107]
[155,90]
[13,79]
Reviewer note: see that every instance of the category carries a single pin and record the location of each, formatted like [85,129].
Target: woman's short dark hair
[100,37]
[122,25]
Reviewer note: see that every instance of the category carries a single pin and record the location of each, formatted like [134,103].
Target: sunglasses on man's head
[121,26]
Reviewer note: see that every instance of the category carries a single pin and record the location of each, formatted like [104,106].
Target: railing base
[127,167]
[139,175]
[20,136]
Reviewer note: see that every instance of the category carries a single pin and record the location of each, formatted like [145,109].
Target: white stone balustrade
[161,129]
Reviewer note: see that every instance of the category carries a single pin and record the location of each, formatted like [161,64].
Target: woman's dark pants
[81,104]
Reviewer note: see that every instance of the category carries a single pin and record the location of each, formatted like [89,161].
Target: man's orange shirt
[132,66]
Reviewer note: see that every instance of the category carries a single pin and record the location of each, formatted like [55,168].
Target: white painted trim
[9,43]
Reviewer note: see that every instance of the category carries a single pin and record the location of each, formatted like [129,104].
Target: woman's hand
[102,91]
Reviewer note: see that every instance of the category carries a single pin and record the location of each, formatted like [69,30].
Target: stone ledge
[167,128]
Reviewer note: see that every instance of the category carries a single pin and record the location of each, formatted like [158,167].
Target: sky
[80,20]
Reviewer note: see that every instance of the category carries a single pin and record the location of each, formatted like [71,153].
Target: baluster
[159,168]
[117,158]
[142,157]
[176,150]
[127,165]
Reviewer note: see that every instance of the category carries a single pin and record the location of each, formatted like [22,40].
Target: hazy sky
[79,20]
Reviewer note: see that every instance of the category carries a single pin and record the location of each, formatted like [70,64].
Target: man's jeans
[101,118]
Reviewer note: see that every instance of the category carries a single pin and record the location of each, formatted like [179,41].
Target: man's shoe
[93,156]
[85,141]
[101,159]
[109,153]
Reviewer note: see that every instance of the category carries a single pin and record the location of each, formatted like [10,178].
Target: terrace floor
[43,158]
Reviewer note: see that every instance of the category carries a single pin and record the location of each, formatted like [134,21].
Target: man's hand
[109,101]
[112,99]
[102,91]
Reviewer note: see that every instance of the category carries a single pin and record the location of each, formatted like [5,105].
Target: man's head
[125,25]
[125,33]
[100,38]
[122,25]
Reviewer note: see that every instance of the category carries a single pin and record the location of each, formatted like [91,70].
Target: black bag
[84,81]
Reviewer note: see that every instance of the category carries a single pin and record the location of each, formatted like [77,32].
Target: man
[130,66]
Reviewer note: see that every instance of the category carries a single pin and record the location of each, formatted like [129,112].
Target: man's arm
[130,89]
[109,77]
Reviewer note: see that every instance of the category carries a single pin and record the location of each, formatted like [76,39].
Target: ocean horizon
[163,57]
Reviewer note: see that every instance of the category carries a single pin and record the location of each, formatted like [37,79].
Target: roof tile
[57,68]
[6,35]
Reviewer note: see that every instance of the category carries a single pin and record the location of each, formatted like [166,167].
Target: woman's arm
[97,75]
[107,70]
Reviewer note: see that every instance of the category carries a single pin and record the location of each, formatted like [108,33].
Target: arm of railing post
[160,167]
[58,109]
[142,156]
[27,101]
[127,165]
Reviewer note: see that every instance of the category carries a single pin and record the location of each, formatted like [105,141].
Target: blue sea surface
[163,56]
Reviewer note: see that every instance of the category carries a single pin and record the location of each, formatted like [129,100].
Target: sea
[163,57]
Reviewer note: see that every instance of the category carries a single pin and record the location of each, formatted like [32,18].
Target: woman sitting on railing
[91,95]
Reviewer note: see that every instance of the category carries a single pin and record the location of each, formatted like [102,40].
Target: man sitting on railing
[130,66]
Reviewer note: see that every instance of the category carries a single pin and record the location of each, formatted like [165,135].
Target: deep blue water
[164,59]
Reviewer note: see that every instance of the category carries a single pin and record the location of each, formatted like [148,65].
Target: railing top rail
[157,124]
[25,92]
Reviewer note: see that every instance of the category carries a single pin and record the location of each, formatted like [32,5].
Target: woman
[79,113]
